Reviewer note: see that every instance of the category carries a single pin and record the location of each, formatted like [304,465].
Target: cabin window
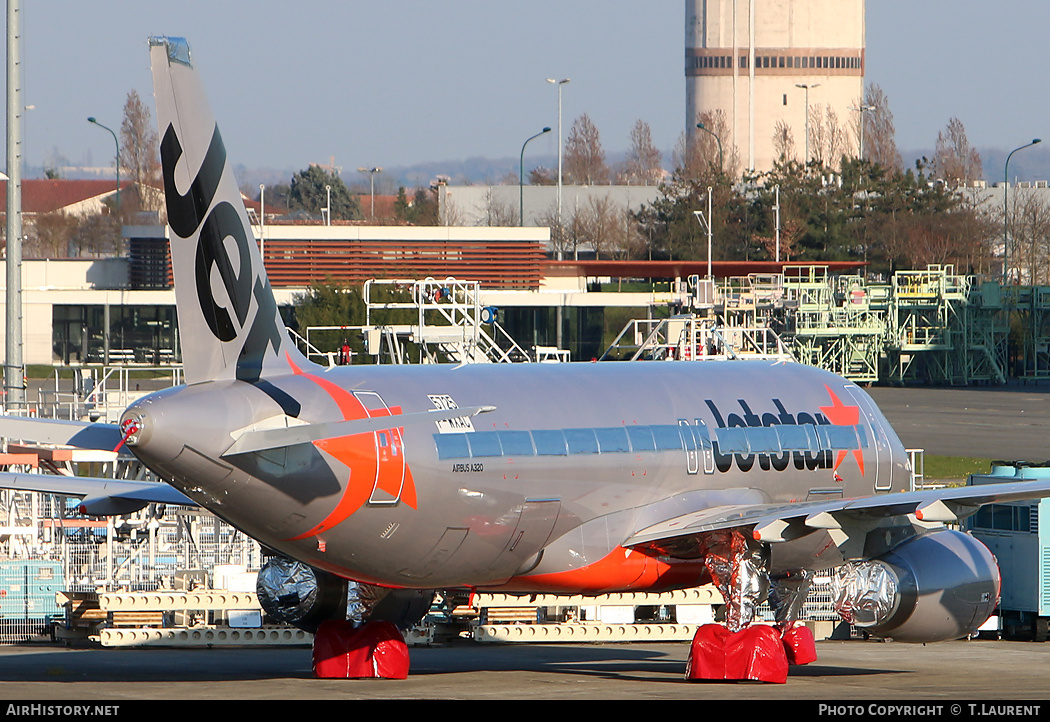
[667,438]
[516,443]
[581,441]
[549,443]
[641,438]
[842,437]
[763,440]
[452,446]
[733,441]
[792,438]
[484,443]
[612,440]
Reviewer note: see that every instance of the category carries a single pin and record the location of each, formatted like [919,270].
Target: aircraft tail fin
[229,323]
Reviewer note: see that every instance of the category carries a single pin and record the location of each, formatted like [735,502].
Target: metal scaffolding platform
[945,329]
[929,326]
[449,324]
[833,323]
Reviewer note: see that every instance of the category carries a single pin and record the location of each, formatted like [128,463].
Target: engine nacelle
[932,588]
[297,594]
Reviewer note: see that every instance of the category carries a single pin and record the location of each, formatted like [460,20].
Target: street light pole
[372,178]
[860,110]
[806,87]
[560,83]
[705,223]
[721,165]
[14,368]
[1006,214]
[262,223]
[521,178]
[117,144]
[776,208]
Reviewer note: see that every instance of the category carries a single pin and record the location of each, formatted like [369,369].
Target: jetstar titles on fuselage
[778,439]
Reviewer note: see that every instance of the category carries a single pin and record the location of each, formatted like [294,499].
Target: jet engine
[297,594]
[935,587]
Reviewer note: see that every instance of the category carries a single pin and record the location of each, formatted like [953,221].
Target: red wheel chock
[375,650]
[758,652]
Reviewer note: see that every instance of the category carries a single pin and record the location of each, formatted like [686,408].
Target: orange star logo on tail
[841,415]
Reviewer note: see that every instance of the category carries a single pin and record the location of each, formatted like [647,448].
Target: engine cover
[938,586]
[298,594]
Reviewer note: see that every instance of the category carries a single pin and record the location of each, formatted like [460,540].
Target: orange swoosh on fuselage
[359,453]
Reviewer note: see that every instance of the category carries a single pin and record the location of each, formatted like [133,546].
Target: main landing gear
[333,610]
[740,650]
[344,647]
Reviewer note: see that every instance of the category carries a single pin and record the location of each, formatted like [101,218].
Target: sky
[397,83]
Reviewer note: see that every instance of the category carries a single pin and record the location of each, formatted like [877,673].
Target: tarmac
[850,671]
[1010,422]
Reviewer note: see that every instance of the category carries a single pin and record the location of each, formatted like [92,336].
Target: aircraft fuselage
[536,494]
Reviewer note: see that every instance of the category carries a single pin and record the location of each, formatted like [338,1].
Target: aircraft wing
[841,517]
[101,497]
[81,434]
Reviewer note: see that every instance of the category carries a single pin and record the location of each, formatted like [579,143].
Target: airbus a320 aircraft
[576,478]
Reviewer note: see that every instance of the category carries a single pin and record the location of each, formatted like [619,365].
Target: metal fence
[139,552]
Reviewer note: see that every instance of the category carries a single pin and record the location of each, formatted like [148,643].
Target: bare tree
[560,243]
[1030,236]
[783,143]
[451,215]
[643,159]
[630,243]
[50,234]
[497,213]
[701,156]
[600,225]
[686,159]
[543,176]
[139,152]
[574,233]
[836,136]
[98,235]
[584,160]
[954,160]
[827,137]
[880,143]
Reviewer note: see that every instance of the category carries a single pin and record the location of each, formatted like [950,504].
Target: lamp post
[372,178]
[705,223]
[806,87]
[521,178]
[14,369]
[1006,214]
[860,110]
[560,83]
[117,144]
[105,334]
[776,209]
[721,166]
[262,223]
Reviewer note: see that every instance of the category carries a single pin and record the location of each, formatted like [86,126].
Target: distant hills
[1030,164]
